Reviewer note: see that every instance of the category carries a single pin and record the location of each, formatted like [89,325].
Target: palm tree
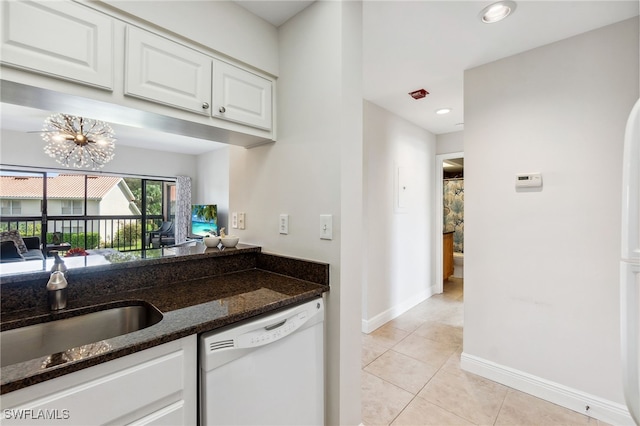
[205,213]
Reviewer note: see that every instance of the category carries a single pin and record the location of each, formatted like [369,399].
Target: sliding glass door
[22,205]
[86,211]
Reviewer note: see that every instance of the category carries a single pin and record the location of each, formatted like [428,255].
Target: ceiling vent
[418,94]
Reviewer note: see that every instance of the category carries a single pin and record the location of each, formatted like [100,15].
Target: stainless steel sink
[55,337]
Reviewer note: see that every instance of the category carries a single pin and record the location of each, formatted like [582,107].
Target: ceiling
[427,44]
[277,12]
[24,119]
[408,45]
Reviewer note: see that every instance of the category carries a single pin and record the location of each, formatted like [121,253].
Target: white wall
[27,149]
[29,207]
[450,142]
[399,241]
[542,267]
[220,25]
[212,183]
[115,202]
[315,168]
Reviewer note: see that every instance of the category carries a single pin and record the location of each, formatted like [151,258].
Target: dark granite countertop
[261,283]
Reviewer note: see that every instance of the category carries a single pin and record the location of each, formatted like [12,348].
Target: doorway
[439,204]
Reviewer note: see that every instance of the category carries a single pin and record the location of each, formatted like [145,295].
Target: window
[90,210]
[74,207]
[11,207]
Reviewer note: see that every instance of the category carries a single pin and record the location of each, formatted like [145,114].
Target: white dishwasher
[266,371]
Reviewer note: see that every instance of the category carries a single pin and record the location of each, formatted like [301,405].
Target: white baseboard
[395,311]
[573,399]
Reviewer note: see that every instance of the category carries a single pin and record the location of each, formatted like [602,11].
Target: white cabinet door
[62,39]
[160,70]
[171,415]
[241,96]
[156,386]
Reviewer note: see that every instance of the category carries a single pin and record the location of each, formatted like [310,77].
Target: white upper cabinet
[166,72]
[241,96]
[73,48]
[61,39]
[163,71]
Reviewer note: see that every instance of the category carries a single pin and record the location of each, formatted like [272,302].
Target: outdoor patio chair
[163,236]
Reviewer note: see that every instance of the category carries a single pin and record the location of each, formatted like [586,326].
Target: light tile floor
[411,375]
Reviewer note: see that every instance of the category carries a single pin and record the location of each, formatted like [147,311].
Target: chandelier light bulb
[78,142]
[80,139]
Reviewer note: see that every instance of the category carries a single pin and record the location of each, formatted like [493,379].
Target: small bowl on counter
[230,241]
[211,241]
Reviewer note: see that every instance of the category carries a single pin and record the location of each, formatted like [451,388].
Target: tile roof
[61,186]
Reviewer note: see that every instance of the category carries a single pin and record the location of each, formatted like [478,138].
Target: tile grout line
[501,405]
[438,369]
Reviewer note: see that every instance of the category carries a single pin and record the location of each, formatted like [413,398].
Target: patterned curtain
[183,208]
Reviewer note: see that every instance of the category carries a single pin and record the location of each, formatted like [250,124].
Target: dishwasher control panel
[272,332]
[264,330]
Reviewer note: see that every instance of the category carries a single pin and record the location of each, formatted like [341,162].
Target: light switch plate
[284,224]
[326,227]
[234,220]
[241,220]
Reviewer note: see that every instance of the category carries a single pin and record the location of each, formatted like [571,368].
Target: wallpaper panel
[454,211]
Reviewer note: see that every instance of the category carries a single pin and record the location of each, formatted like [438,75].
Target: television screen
[204,219]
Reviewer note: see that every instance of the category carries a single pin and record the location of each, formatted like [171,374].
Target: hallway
[411,375]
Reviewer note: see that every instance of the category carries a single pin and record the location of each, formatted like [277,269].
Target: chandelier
[77,141]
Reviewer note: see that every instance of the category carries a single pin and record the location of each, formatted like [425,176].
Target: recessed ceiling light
[443,111]
[497,11]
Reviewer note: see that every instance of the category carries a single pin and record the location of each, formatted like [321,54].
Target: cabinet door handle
[205,105]
[222,110]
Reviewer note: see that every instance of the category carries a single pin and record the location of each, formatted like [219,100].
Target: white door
[61,39]
[241,96]
[630,335]
[163,71]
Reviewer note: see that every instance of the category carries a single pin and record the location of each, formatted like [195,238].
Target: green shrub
[128,235]
[77,240]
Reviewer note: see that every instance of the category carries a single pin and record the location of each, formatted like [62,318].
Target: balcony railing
[123,233]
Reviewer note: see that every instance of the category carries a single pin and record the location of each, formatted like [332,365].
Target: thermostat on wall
[528,180]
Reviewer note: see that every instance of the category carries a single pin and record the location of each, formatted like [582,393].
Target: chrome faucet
[57,291]
[58,264]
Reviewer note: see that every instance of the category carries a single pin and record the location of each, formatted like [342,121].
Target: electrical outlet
[326,227]
[284,224]
[241,220]
[234,220]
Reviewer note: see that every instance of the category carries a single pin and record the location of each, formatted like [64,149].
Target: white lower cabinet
[157,386]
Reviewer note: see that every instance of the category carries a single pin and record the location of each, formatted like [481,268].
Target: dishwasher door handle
[273,326]
[270,333]
[262,331]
